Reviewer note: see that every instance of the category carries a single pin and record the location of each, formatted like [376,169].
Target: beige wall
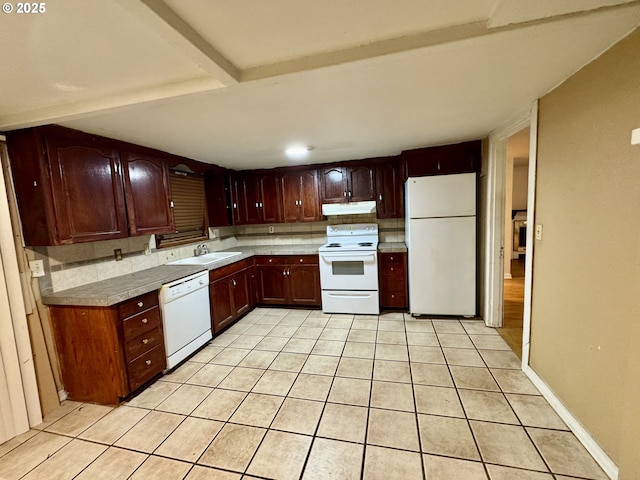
[585,334]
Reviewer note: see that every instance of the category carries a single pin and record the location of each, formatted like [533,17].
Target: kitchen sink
[206,259]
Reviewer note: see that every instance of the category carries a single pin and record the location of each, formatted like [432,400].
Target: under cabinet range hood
[351,208]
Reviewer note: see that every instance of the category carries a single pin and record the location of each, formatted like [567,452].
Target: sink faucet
[201,249]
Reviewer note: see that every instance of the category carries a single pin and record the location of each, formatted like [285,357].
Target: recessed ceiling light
[297,152]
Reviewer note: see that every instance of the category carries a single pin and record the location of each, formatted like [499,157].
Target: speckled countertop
[118,289]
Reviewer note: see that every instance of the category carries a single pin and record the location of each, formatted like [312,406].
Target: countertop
[118,289]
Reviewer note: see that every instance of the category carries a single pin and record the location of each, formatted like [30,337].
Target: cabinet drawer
[141,323]
[392,258]
[302,260]
[146,366]
[393,299]
[148,340]
[138,304]
[265,260]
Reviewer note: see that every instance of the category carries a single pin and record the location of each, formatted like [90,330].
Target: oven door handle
[346,257]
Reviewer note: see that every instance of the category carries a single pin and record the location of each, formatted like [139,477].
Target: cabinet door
[88,195]
[241,298]
[146,186]
[309,198]
[389,191]
[304,284]
[290,188]
[218,195]
[237,201]
[361,184]
[250,194]
[221,297]
[269,200]
[271,284]
[333,185]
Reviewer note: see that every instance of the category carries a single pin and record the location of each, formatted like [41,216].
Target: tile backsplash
[70,266]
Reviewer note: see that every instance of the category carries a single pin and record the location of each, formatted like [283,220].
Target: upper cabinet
[463,157]
[389,193]
[218,193]
[146,185]
[255,198]
[341,184]
[300,196]
[73,187]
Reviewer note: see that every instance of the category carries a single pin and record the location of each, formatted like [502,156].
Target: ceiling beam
[93,106]
[169,26]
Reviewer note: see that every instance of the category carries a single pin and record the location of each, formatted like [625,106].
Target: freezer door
[441,196]
[442,266]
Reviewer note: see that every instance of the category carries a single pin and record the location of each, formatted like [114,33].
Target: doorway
[515,235]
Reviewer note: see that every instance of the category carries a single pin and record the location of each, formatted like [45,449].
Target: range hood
[351,208]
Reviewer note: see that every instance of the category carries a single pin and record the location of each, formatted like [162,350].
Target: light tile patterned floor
[296,394]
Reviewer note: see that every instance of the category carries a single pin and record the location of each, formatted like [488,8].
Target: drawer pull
[144,320]
[145,341]
[140,304]
[301,260]
[148,362]
[391,269]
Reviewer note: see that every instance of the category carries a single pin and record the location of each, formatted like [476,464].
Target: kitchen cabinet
[256,198]
[218,192]
[341,184]
[147,194]
[73,187]
[229,293]
[288,280]
[300,196]
[389,193]
[106,353]
[463,157]
[392,278]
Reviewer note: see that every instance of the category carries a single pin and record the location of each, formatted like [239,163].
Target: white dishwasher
[184,304]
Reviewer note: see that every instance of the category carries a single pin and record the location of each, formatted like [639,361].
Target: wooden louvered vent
[189,207]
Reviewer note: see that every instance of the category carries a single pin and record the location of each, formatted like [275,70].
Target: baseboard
[508,276]
[62,395]
[581,433]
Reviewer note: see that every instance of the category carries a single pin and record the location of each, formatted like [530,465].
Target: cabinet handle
[171,204]
[345,193]
[256,204]
[145,341]
[140,304]
[349,193]
[391,269]
[393,295]
[35,184]
[144,320]
[390,258]
[260,204]
[148,362]
[234,282]
[380,197]
[302,260]
[235,205]
[271,260]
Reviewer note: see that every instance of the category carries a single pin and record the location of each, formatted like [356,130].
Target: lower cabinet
[393,280]
[105,353]
[230,293]
[288,280]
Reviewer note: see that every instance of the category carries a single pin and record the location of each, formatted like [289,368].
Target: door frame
[495,223]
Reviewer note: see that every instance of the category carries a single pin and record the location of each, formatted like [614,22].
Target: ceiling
[235,82]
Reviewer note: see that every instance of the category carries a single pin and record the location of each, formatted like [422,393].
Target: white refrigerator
[441,242]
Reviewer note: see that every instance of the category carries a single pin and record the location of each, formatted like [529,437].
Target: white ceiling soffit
[233,82]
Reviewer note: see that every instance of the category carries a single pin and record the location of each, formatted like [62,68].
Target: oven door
[349,270]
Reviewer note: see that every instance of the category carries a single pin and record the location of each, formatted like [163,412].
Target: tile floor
[296,394]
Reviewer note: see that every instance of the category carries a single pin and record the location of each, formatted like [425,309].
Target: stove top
[351,237]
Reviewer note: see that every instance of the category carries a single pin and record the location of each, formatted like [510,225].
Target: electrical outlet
[272,229]
[147,249]
[215,233]
[37,268]
[117,253]
[539,231]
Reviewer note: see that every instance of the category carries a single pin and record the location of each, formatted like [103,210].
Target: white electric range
[349,269]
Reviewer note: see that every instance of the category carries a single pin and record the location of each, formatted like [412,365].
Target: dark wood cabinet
[392,270]
[463,157]
[147,194]
[256,198]
[229,294]
[389,194]
[300,201]
[288,280]
[74,187]
[106,353]
[218,193]
[341,184]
